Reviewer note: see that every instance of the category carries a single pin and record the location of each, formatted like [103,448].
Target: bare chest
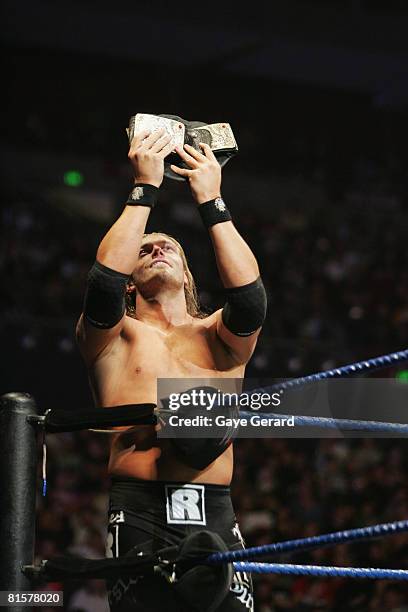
[129,373]
[187,353]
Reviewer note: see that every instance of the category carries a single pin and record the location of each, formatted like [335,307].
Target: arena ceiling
[354,45]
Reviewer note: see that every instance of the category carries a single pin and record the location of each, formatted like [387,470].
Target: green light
[402,376]
[73,178]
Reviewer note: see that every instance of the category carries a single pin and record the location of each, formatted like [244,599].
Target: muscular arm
[238,324]
[236,263]
[119,249]
[104,306]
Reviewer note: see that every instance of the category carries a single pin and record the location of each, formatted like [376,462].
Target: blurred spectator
[90,598]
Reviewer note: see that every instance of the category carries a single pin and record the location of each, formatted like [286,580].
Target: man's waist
[156,488]
[171,502]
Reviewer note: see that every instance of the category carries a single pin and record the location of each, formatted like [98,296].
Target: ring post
[18,473]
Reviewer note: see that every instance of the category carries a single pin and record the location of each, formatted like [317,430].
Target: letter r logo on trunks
[185,504]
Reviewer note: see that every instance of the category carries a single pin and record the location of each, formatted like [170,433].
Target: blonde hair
[190,289]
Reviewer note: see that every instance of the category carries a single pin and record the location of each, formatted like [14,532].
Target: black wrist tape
[143,194]
[213,212]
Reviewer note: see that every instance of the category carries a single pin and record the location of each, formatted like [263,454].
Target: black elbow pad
[245,309]
[104,303]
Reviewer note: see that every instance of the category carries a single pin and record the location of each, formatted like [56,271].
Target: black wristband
[213,212]
[143,194]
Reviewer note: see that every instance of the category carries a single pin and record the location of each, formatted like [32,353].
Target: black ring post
[18,474]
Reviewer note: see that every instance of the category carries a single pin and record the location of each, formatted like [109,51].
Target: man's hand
[147,152]
[205,175]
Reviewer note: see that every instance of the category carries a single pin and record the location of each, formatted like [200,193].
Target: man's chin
[158,277]
[160,271]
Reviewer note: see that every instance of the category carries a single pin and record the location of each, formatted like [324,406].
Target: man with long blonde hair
[161,490]
[190,289]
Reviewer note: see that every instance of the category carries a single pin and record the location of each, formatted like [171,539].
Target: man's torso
[127,373]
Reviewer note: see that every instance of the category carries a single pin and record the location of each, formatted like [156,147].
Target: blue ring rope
[318,570]
[360,367]
[368,365]
[327,539]
[330,423]
[361,533]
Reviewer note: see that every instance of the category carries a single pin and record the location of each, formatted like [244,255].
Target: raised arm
[103,313]
[239,322]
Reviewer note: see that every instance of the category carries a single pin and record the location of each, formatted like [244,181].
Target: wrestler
[159,495]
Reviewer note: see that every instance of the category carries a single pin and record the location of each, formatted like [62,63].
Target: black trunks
[147,516]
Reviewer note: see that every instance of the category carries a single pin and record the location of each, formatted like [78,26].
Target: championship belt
[218,136]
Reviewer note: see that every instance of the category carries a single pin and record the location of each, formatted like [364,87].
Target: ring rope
[330,423]
[327,539]
[318,570]
[368,365]
[73,567]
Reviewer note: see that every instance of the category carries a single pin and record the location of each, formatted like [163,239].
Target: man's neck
[165,310]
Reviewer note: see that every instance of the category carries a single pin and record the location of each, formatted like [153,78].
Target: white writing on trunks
[185,504]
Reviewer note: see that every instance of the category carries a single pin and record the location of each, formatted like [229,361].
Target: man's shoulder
[207,320]
[131,325]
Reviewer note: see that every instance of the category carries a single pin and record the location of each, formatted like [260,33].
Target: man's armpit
[94,342]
